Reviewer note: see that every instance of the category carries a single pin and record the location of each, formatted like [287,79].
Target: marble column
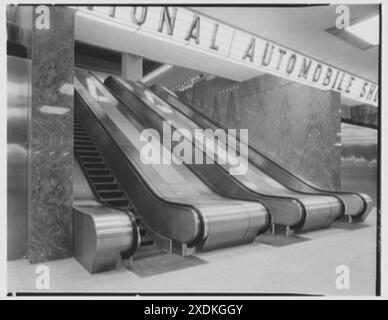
[50,225]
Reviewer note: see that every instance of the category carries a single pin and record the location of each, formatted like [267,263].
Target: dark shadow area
[280,240]
[163,262]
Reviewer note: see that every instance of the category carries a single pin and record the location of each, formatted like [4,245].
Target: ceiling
[300,28]
[303,29]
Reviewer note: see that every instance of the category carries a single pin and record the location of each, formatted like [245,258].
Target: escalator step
[117,202]
[88,153]
[79,138]
[116,189]
[99,172]
[102,179]
[84,148]
[81,133]
[85,143]
[91,159]
[106,186]
[111,194]
[78,133]
[94,165]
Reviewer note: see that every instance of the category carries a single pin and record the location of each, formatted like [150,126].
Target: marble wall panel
[50,224]
[296,125]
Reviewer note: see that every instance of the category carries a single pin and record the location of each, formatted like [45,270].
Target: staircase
[101,178]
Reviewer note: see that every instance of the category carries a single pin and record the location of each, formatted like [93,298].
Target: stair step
[102,179]
[117,202]
[91,159]
[106,186]
[83,143]
[99,172]
[80,133]
[79,130]
[85,148]
[111,194]
[80,139]
[89,153]
[94,165]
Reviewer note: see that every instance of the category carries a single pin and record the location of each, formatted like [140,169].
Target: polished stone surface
[295,125]
[51,139]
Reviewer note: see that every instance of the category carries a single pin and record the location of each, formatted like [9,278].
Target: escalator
[107,232]
[105,237]
[180,212]
[290,209]
[356,206]
[101,179]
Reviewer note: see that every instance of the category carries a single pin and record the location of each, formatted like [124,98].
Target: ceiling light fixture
[367,30]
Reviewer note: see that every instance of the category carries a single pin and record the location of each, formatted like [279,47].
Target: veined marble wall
[50,224]
[295,125]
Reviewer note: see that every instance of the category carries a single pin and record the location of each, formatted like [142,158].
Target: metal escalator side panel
[368,205]
[101,237]
[357,205]
[225,227]
[321,212]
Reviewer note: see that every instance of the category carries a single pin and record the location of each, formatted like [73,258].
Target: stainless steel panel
[18,102]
